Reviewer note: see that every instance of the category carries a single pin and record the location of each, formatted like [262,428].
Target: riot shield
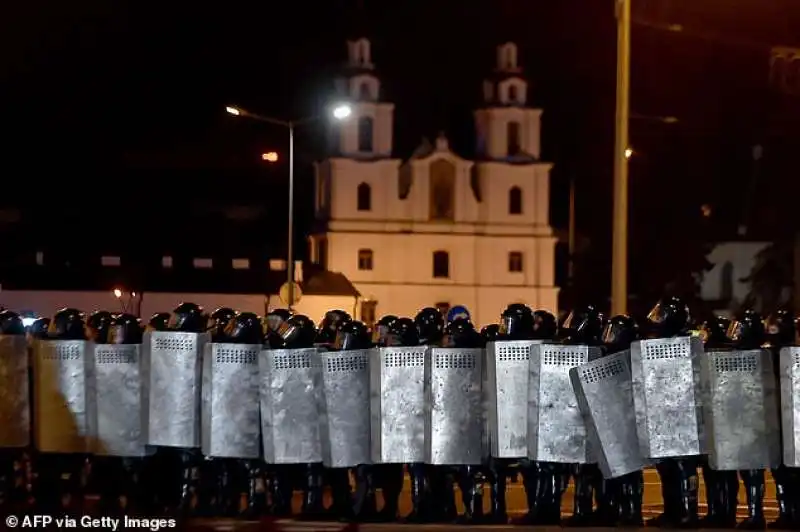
[790,404]
[666,396]
[740,410]
[397,404]
[173,363]
[230,407]
[15,414]
[291,397]
[63,396]
[605,398]
[454,420]
[556,431]
[506,393]
[121,395]
[344,426]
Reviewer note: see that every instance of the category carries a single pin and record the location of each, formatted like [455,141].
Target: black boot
[782,479]
[687,516]
[312,501]
[365,506]
[419,513]
[256,494]
[712,518]
[471,495]
[341,494]
[728,482]
[538,482]
[390,478]
[667,472]
[630,492]
[583,497]
[499,476]
[442,499]
[281,490]
[754,486]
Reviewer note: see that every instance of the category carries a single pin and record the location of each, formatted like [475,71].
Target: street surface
[516,506]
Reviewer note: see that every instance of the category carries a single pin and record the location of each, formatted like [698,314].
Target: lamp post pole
[340,112]
[619,264]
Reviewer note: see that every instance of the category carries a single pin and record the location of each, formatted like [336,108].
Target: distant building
[723,286]
[438,229]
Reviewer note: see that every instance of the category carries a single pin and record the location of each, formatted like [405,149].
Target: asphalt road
[516,505]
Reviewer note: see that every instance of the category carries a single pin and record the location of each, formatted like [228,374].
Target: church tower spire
[368,133]
[507,129]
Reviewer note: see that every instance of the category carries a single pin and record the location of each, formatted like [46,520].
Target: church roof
[327,283]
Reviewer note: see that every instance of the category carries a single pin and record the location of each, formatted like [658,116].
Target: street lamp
[339,112]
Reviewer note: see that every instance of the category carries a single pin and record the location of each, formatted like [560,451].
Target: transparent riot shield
[790,404]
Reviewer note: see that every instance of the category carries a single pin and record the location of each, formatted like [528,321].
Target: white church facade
[438,230]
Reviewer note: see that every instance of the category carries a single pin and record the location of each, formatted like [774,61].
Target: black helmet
[430,326]
[67,324]
[748,332]
[297,332]
[330,325]
[352,335]
[516,322]
[98,325]
[402,333]
[619,333]
[188,317]
[244,328]
[125,329]
[490,333]
[382,329]
[545,325]
[781,329]
[40,328]
[276,317]
[159,321]
[714,333]
[583,326]
[669,318]
[11,324]
[217,322]
[461,333]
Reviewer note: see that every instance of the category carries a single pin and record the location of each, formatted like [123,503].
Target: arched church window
[513,97]
[441,264]
[515,201]
[364,197]
[726,282]
[364,91]
[442,190]
[365,134]
[512,138]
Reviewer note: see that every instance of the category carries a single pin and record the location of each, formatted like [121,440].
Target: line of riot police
[210,415]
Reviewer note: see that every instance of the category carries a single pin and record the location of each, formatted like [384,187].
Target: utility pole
[619,264]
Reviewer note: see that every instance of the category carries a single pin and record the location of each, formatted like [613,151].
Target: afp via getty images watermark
[88,521]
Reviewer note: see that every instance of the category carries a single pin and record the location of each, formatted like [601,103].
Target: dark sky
[126,98]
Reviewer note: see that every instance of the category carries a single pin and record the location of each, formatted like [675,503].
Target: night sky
[117,108]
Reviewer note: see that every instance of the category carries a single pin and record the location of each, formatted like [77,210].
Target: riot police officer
[722,487]
[781,332]
[583,326]
[16,408]
[274,321]
[670,318]
[620,500]
[748,333]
